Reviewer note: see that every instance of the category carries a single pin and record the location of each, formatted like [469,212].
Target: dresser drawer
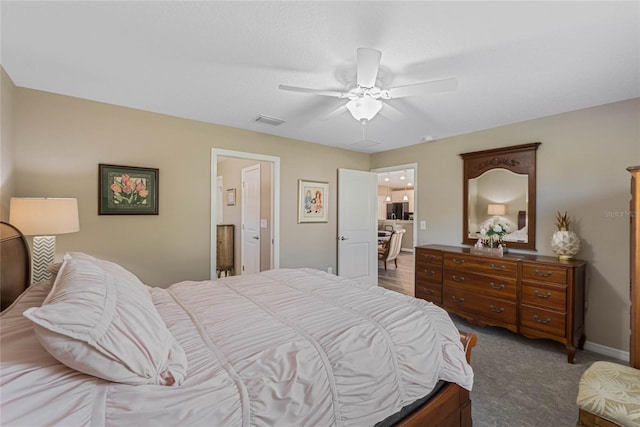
[545,273]
[548,321]
[497,286]
[490,308]
[430,292]
[549,296]
[428,272]
[481,265]
[428,256]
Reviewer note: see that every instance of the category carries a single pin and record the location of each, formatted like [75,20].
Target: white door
[250,234]
[357,225]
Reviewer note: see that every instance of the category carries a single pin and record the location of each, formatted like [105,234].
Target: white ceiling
[222,62]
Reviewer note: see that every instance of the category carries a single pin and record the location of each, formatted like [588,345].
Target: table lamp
[43,218]
[496,210]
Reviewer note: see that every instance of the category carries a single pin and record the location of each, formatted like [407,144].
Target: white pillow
[108,266]
[106,325]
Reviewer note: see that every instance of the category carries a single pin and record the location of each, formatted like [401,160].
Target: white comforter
[280,348]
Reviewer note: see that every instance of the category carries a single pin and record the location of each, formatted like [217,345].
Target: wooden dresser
[634,214]
[536,296]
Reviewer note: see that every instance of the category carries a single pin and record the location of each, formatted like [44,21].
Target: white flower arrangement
[491,234]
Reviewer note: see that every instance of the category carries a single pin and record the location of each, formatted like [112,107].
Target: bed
[296,347]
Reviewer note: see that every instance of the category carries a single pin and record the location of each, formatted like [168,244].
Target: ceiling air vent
[269,120]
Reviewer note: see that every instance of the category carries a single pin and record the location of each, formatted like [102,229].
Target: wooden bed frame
[15,259]
[450,407]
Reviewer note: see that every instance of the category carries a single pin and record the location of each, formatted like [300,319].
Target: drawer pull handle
[457,279]
[544,322]
[429,272]
[496,310]
[427,291]
[430,257]
[539,295]
[456,299]
[498,287]
[493,267]
[547,274]
[457,261]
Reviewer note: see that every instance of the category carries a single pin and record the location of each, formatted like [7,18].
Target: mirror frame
[520,159]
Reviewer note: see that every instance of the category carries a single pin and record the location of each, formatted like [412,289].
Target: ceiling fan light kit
[364,108]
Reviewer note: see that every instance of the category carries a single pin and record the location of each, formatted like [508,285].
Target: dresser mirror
[500,186]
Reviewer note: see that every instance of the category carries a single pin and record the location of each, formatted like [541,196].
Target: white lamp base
[44,249]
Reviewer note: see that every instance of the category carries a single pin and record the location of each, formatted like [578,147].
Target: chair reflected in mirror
[389,249]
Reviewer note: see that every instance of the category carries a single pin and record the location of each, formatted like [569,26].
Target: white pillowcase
[99,319]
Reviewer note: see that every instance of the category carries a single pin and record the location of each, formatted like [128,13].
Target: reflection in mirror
[500,186]
[499,195]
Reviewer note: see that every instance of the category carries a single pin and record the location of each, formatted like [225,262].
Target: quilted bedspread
[288,347]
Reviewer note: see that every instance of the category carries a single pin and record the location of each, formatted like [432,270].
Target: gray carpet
[521,382]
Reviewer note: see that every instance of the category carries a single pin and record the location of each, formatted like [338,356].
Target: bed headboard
[15,264]
[522,219]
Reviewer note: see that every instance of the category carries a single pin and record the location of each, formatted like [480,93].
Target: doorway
[226,166]
[398,200]
[398,208]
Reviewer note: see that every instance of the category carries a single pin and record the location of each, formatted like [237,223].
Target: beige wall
[581,170]
[60,140]
[6,143]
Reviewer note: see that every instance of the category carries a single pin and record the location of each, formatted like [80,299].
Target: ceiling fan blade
[368,64]
[392,113]
[335,113]
[425,88]
[333,93]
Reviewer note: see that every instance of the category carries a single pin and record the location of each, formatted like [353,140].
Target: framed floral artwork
[313,199]
[127,190]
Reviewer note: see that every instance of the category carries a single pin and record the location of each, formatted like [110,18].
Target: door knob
[344,238]
[255,238]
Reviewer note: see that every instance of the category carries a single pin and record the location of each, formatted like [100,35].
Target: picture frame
[313,199]
[231,197]
[127,190]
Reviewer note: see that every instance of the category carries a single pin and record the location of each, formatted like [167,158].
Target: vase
[565,244]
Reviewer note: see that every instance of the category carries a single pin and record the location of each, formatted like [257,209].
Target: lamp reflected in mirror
[496,210]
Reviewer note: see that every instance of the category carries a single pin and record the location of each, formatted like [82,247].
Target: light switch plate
[263,223]
[423,225]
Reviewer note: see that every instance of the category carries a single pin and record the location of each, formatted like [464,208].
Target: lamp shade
[36,216]
[364,108]
[496,209]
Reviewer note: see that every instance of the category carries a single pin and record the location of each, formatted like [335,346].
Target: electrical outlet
[423,225]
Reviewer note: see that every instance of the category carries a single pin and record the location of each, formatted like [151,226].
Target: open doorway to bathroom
[244,208]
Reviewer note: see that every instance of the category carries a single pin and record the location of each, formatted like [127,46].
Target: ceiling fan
[365,100]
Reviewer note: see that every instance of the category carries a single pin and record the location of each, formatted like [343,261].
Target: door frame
[414,166]
[275,203]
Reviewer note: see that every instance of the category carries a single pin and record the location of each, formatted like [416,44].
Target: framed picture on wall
[231,197]
[127,190]
[312,201]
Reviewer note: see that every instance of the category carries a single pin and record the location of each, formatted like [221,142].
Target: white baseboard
[607,351]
